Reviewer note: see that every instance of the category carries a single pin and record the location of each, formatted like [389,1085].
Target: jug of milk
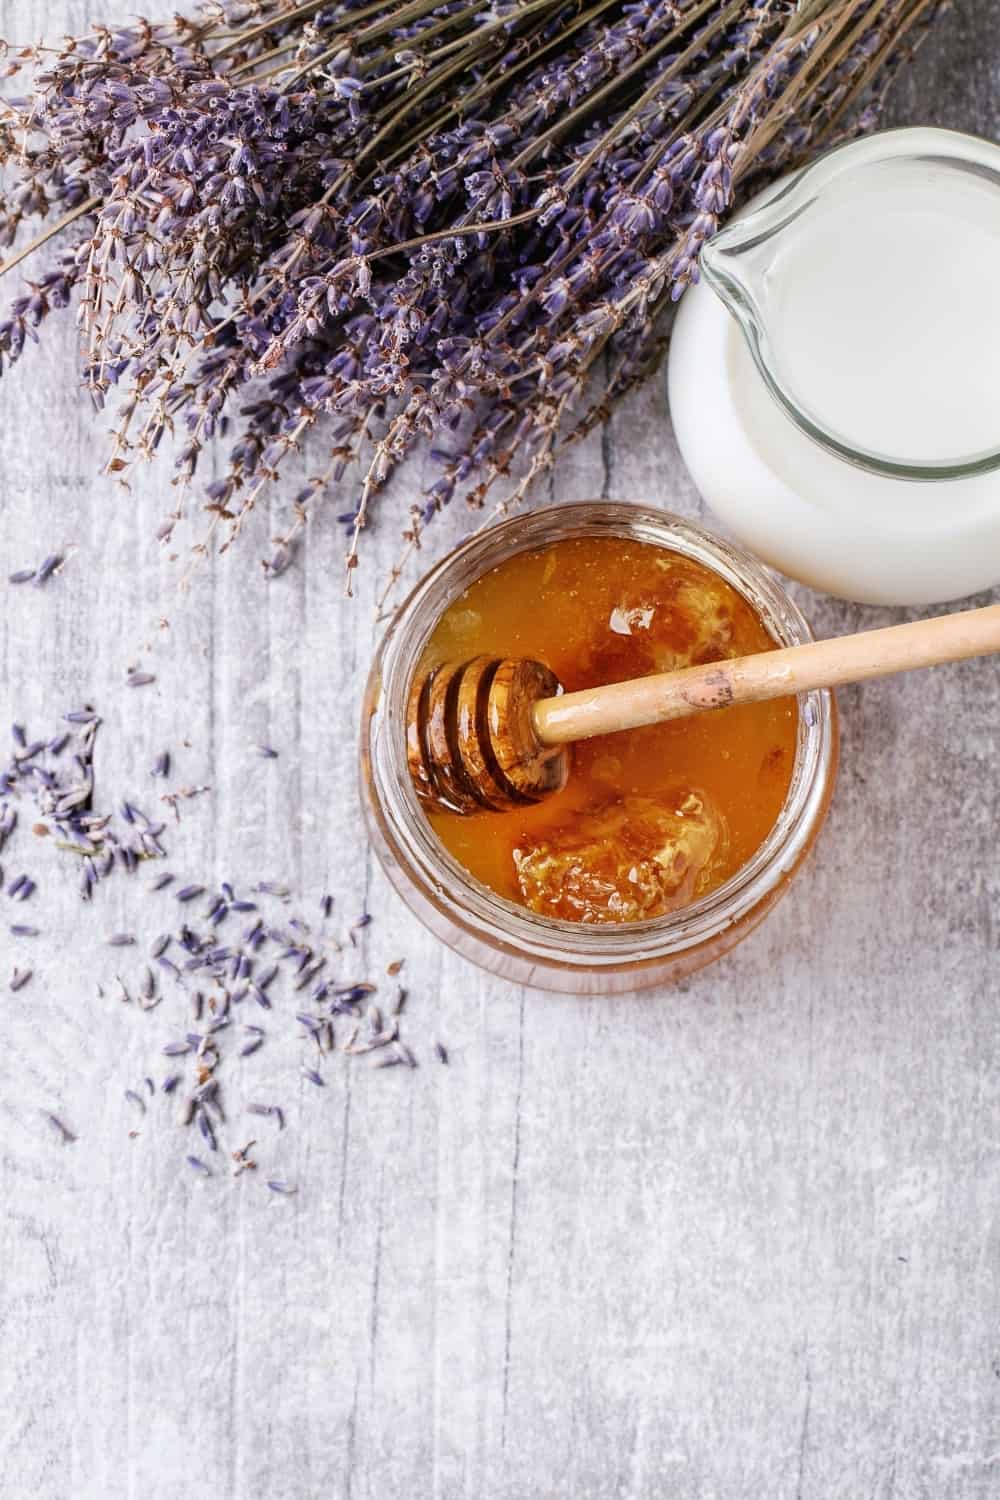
[835,378]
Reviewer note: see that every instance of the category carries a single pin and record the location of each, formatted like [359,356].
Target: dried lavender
[65,1134]
[420,223]
[268,1111]
[50,566]
[281,968]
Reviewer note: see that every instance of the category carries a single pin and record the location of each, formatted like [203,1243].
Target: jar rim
[460,896]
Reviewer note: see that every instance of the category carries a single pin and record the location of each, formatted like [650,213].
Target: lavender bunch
[402,223]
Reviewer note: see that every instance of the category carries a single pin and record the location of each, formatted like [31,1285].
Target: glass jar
[500,935]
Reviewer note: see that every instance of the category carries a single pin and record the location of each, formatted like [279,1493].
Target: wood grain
[738,1239]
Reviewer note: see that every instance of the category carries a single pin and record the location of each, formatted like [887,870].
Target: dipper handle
[770,674]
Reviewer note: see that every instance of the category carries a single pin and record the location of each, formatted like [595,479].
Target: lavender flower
[427,226]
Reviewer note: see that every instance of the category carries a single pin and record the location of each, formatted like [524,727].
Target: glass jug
[835,383]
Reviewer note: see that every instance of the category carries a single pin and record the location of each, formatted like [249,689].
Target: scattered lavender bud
[24,575]
[207,1132]
[49,566]
[282,1187]
[260,1109]
[353,992]
[65,1133]
[199,1166]
[139,679]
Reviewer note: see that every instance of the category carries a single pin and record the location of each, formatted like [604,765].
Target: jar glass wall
[509,939]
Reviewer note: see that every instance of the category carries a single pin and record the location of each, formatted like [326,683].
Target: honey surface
[650,818]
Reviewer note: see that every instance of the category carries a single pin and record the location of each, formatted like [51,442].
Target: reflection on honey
[651,818]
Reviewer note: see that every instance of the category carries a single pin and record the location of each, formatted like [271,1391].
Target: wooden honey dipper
[492,734]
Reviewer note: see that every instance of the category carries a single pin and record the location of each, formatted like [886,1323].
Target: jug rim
[768,219]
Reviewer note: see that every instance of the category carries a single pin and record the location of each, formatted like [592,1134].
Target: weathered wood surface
[738,1239]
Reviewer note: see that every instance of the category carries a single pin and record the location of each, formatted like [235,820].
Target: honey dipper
[492,734]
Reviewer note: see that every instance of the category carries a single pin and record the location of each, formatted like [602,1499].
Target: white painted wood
[737,1239]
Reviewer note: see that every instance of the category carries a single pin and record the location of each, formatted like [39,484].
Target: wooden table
[738,1239]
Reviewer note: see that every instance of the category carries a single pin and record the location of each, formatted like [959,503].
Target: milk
[880,305]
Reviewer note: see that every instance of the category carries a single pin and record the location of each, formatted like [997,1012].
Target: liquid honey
[651,818]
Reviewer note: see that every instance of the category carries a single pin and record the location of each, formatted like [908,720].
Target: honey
[650,819]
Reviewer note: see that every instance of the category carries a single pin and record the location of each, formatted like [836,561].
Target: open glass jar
[509,939]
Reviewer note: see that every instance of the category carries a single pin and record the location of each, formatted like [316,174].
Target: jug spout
[737,264]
